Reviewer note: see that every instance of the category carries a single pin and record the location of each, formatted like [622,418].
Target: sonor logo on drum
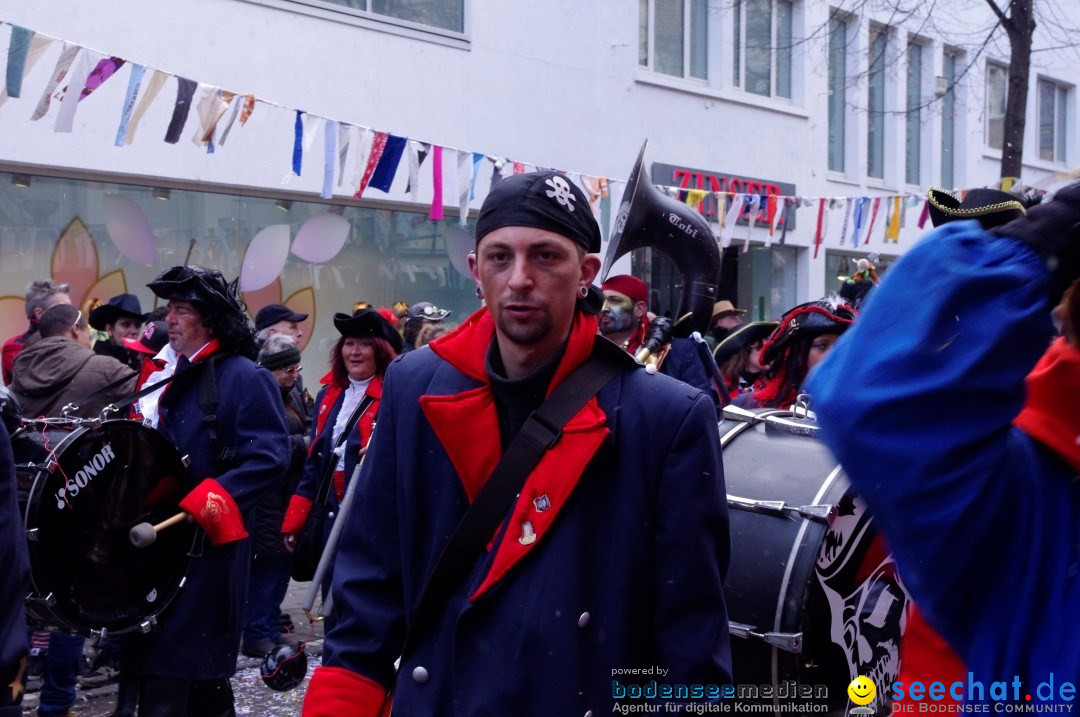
[84,475]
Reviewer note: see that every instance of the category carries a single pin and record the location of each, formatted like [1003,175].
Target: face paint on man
[617,314]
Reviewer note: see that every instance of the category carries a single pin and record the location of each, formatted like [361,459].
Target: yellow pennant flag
[893,232]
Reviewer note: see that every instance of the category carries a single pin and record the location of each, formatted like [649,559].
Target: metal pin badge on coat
[542,503]
[528,536]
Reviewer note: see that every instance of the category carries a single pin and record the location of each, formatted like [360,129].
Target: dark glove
[1053,230]
[658,335]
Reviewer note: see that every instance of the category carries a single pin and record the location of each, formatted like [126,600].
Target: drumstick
[144,534]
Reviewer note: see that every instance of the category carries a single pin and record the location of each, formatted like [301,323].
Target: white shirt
[353,394]
[148,405]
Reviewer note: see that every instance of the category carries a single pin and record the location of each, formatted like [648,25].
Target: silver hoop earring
[583,291]
[479,293]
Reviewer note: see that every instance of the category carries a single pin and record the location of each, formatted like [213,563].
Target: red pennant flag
[378,145]
[820,217]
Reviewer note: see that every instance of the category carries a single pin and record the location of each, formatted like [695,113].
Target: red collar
[466,347]
[1051,414]
[466,425]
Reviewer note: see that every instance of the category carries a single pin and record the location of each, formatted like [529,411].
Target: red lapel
[1051,414]
[467,426]
[333,391]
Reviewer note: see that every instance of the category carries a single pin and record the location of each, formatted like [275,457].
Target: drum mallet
[143,535]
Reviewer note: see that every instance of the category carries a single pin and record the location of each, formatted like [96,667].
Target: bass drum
[812,595]
[82,487]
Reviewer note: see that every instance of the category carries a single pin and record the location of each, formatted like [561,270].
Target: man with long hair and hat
[223,412]
[953,410]
[611,553]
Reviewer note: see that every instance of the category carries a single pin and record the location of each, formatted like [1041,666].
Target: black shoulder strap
[325,482]
[540,432]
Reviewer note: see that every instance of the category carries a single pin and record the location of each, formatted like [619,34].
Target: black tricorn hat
[830,315]
[368,322]
[197,283]
[741,337]
[992,207]
[117,306]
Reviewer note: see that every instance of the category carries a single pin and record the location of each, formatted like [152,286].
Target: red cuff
[296,515]
[216,512]
[335,691]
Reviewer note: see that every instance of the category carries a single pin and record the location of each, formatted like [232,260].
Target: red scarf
[1052,412]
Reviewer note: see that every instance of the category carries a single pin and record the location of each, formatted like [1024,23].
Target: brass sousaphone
[649,218]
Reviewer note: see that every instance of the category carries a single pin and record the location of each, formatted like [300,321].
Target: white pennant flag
[344,137]
[728,232]
[752,204]
[38,45]
[464,179]
[362,147]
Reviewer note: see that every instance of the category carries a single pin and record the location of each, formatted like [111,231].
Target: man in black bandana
[612,555]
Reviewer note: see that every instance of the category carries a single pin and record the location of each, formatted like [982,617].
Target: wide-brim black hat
[197,283]
[368,323]
[992,207]
[117,306]
[741,337]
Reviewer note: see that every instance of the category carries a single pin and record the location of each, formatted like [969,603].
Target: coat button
[583,620]
[420,674]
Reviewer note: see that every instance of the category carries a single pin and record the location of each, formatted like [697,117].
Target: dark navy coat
[15,567]
[199,635]
[626,569]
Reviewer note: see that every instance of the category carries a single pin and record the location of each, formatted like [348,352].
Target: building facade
[827,107]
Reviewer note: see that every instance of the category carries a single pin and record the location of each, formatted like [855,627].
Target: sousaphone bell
[649,218]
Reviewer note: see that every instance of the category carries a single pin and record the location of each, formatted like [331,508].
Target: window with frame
[913,118]
[1053,120]
[443,14]
[673,37]
[762,44]
[997,77]
[948,120]
[837,93]
[875,105]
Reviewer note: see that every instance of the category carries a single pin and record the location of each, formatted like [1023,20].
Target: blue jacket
[199,635]
[916,401]
[630,519]
[15,567]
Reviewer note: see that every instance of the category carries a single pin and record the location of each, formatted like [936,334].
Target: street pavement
[252,696]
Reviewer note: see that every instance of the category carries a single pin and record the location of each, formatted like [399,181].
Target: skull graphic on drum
[868,603]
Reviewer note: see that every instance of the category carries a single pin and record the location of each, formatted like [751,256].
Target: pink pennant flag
[519,168]
[436,213]
[924,214]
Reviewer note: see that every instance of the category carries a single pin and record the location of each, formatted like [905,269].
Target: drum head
[91,486]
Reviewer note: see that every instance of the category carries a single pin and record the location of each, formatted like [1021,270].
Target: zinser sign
[714,181]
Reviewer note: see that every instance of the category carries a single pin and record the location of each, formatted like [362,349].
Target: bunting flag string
[80,71]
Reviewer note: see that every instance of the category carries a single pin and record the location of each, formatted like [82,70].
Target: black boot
[127,698]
